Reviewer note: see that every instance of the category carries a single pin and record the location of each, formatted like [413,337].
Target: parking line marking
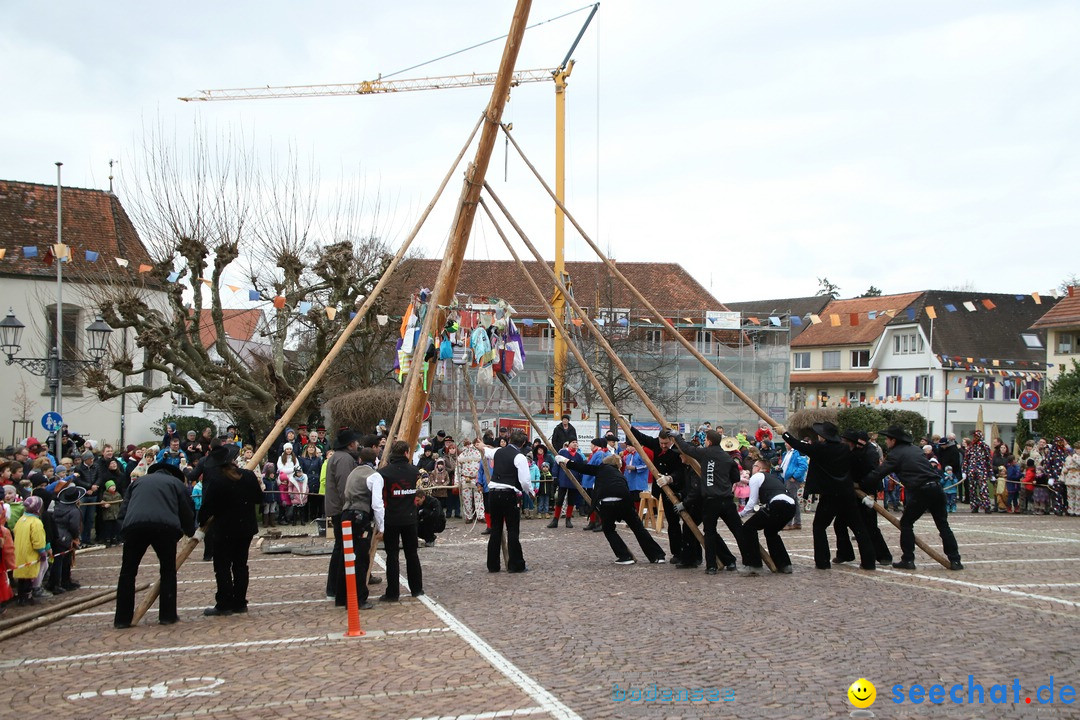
[486,715]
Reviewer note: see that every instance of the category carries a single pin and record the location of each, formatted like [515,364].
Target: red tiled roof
[1065,314]
[867,331]
[666,285]
[239,325]
[829,378]
[93,220]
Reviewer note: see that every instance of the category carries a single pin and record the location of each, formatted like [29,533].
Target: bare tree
[218,227]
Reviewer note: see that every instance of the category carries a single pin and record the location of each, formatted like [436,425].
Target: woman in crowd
[311,461]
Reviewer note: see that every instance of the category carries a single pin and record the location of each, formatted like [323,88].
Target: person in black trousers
[399,489]
[922,493]
[776,509]
[230,496]
[829,476]
[669,462]
[509,479]
[864,459]
[613,502]
[719,473]
[158,512]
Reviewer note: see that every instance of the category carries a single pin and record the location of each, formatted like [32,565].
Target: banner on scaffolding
[722,320]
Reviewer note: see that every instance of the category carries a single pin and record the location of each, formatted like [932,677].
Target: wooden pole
[57,612]
[450,269]
[923,545]
[615,414]
[642,299]
[53,607]
[316,377]
[595,331]
[375,537]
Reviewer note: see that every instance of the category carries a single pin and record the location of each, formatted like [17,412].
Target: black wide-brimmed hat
[345,438]
[220,456]
[827,430]
[897,433]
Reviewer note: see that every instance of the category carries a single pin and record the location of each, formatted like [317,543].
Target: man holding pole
[922,492]
[719,473]
[509,478]
[669,462]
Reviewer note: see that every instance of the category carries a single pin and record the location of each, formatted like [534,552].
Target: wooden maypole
[450,270]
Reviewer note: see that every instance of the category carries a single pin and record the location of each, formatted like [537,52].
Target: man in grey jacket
[159,511]
[341,463]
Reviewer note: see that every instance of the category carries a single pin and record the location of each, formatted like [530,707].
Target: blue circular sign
[52,421]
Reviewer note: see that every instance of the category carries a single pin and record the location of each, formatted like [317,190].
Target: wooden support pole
[572,346]
[53,613]
[450,270]
[923,545]
[641,298]
[316,377]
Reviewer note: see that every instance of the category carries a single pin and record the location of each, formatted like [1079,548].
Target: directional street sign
[52,421]
[1029,400]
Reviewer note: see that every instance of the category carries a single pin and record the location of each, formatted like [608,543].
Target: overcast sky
[913,145]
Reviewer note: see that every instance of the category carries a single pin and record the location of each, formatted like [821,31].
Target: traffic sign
[1031,414]
[1029,400]
[427,412]
[52,421]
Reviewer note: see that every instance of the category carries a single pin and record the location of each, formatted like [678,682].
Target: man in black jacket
[922,492]
[564,432]
[509,479]
[159,511]
[829,475]
[669,462]
[864,459]
[612,497]
[399,490]
[719,473]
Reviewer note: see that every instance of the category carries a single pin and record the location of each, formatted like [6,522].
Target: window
[830,360]
[616,320]
[729,398]
[1031,340]
[695,391]
[184,401]
[907,343]
[148,374]
[924,386]
[705,342]
[654,340]
[856,396]
[547,338]
[1064,343]
[894,385]
[70,331]
[802,360]
[860,358]
[1010,390]
[976,389]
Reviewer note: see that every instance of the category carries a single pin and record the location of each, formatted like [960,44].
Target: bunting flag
[834,319]
[950,308]
[61,251]
[383,319]
[527,322]
[279,302]
[577,321]
[647,320]
[29,252]
[173,276]
[969,306]
[145,268]
[206,282]
[931,312]
[304,307]
[3,253]
[1036,298]
[352,314]
[854,319]
[233,288]
[253,295]
[122,262]
[91,256]
[911,313]
[796,320]
[814,319]
[754,321]
[988,304]
[331,313]
[870,315]
[774,320]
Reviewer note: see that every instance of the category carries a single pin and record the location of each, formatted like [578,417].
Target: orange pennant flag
[279,302]
[331,312]
[234,288]
[988,304]
[834,319]
[854,319]
[754,320]
[3,252]
[205,282]
[577,321]
[931,312]
[145,268]
[1036,298]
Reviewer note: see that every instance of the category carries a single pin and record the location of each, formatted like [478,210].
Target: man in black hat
[564,432]
[668,460]
[922,493]
[341,463]
[864,458]
[158,512]
[829,476]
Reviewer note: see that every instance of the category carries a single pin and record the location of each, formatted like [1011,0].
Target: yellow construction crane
[379,86]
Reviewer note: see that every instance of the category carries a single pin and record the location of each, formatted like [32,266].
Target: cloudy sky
[762,145]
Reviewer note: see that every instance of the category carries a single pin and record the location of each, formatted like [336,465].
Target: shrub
[183,424]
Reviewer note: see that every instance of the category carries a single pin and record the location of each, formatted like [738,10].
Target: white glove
[199,535]
[663,480]
[562,459]
[868,501]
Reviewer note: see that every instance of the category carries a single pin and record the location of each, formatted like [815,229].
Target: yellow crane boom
[368,87]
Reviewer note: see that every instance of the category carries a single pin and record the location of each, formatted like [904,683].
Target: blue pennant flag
[173,276]
[91,256]
[304,307]
[29,251]
[796,320]
[253,295]
[774,320]
[911,313]
[950,308]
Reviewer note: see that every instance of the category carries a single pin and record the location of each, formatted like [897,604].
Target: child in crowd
[285,508]
[1013,475]
[110,514]
[7,558]
[196,494]
[31,549]
[1040,495]
[298,490]
[742,489]
[948,484]
[543,499]
[527,503]
[270,494]
[1001,493]
[1027,487]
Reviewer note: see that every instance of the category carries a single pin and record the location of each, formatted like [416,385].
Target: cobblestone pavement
[570,636]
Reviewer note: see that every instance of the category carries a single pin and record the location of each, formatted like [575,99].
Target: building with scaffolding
[754,355]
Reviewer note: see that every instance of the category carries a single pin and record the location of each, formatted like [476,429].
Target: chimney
[1072,290]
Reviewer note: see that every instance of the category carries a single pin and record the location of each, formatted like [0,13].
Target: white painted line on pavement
[1038,585]
[154,609]
[1022,560]
[520,712]
[253,579]
[1018,534]
[551,705]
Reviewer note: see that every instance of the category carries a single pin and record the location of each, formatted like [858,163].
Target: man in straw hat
[922,492]
[829,475]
